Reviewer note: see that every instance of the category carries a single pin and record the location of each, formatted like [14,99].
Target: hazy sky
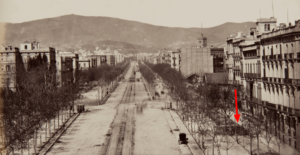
[173,13]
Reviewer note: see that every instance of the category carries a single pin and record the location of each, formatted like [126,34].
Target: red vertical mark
[237,115]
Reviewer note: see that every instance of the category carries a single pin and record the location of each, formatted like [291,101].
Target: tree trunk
[54,124]
[34,141]
[41,137]
[62,116]
[250,144]
[50,128]
[28,147]
[213,146]
[257,144]
[58,119]
[46,131]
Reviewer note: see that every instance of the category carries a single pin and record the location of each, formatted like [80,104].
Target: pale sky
[172,13]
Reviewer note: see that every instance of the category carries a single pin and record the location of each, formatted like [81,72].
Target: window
[272,50]
[280,49]
[286,73]
[25,47]
[265,26]
[8,68]
[84,65]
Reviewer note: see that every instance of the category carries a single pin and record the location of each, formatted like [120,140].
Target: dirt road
[126,124]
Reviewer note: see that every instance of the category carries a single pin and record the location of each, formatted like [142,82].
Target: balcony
[252,75]
[264,79]
[264,57]
[228,65]
[297,112]
[272,57]
[279,56]
[287,81]
[296,81]
[236,67]
[291,56]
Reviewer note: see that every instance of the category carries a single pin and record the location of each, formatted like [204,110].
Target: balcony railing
[297,112]
[279,56]
[265,79]
[236,67]
[228,65]
[296,81]
[279,80]
[287,81]
[252,75]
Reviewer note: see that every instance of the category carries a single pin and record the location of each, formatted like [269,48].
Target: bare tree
[227,143]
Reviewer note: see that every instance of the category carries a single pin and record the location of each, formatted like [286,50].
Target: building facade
[267,64]
[196,59]
[280,50]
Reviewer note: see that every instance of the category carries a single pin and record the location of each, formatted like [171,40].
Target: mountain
[74,31]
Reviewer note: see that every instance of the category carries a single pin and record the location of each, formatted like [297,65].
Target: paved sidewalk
[192,143]
[175,130]
[263,147]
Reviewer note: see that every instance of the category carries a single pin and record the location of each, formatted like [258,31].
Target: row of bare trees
[207,110]
[33,103]
[148,75]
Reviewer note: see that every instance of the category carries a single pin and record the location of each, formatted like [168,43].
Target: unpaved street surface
[128,123]
[86,135]
[152,132]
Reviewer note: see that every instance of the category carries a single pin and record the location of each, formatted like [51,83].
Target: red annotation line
[237,115]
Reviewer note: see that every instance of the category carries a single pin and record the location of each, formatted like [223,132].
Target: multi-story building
[196,59]
[66,65]
[83,62]
[218,59]
[280,51]
[175,59]
[13,60]
[32,49]
[267,64]
[9,59]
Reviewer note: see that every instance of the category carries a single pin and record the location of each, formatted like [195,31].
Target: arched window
[272,50]
[266,26]
[8,68]
[25,47]
[280,49]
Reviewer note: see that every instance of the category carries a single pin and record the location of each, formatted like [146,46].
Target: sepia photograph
[150,77]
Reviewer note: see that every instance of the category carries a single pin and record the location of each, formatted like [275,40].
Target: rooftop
[283,31]
[272,19]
